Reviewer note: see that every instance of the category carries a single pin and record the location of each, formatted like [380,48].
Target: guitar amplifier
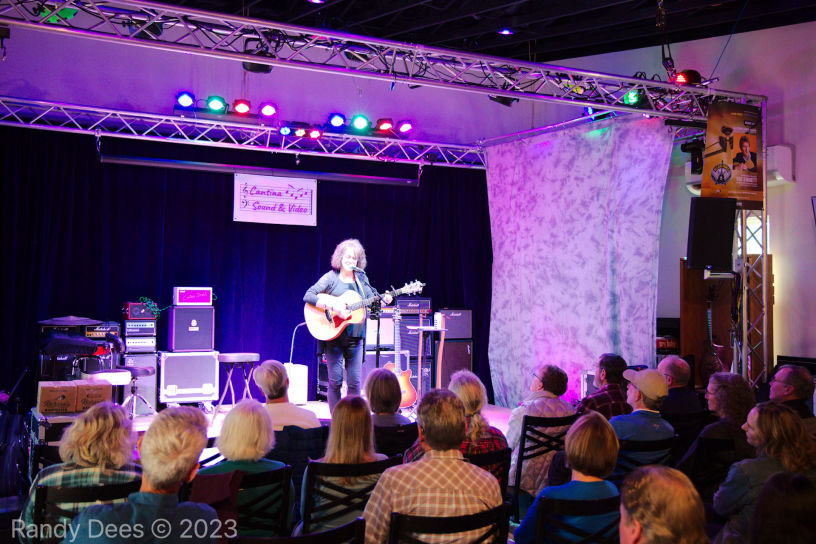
[100,331]
[457,323]
[135,327]
[140,344]
[414,305]
[191,328]
[188,377]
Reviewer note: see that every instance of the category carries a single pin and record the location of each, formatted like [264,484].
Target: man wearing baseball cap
[645,394]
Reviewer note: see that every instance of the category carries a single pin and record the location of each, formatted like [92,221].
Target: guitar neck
[366,302]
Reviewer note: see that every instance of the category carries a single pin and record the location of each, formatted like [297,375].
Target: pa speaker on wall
[455,356]
[711,234]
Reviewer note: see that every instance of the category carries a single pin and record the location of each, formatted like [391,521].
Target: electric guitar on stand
[407,390]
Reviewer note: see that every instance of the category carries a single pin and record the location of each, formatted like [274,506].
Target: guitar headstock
[412,288]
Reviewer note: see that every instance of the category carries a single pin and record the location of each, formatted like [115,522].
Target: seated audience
[96,449]
[792,385]
[350,442]
[383,392]
[645,394]
[681,399]
[549,383]
[722,443]
[246,437]
[785,506]
[592,450]
[782,444]
[610,398]
[271,378]
[480,436]
[440,483]
[659,505]
[169,452]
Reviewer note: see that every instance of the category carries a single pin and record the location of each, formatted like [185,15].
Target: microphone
[357,269]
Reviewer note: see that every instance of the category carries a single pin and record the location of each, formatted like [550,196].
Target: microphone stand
[376,308]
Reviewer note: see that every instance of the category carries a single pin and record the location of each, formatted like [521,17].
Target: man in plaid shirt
[441,483]
[610,399]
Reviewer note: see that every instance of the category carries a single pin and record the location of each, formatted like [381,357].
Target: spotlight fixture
[300,132]
[688,77]
[503,100]
[317,1]
[268,109]
[588,110]
[185,100]
[337,120]
[241,106]
[384,125]
[216,104]
[360,123]
[285,130]
[315,133]
[696,148]
[405,126]
[254,46]
[633,97]
[506,32]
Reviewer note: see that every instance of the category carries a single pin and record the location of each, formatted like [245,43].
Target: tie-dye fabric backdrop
[575,218]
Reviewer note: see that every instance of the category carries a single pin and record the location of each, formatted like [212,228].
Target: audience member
[681,399]
[441,483]
[480,436]
[660,506]
[785,506]
[246,437]
[782,444]
[706,464]
[792,385]
[646,392]
[271,378]
[549,383]
[610,398]
[351,442]
[96,449]
[169,452]
[592,450]
[383,392]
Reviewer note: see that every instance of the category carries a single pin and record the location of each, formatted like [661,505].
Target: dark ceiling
[543,31]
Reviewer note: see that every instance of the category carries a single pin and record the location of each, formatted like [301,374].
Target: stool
[247,363]
[134,397]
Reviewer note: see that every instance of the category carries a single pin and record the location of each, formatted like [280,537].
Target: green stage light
[216,104]
[360,122]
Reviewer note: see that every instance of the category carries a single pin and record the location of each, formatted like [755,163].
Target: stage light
[241,106]
[632,97]
[268,109]
[405,126]
[317,1]
[315,133]
[506,32]
[185,100]
[688,77]
[360,122]
[337,120]
[285,131]
[385,124]
[300,132]
[216,104]
[589,110]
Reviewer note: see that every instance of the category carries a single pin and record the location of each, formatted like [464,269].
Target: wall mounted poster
[272,199]
[732,166]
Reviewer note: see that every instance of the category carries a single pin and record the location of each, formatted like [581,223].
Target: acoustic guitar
[407,390]
[325,324]
[714,355]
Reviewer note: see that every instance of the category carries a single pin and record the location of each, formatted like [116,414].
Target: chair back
[627,462]
[50,502]
[494,524]
[558,520]
[539,436]
[328,498]
[395,440]
[257,501]
[496,463]
[712,461]
[350,533]
[687,427]
[296,446]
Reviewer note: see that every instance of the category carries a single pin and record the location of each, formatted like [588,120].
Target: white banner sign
[271,199]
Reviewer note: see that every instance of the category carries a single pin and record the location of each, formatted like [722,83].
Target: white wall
[777,63]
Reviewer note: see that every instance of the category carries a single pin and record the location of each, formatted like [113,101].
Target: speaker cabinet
[192,328]
[146,384]
[455,356]
[711,234]
[457,323]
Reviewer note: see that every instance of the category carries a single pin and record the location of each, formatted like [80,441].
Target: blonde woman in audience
[247,435]
[96,449]
[659,505]
[480,436]
[351,442]
[783,445]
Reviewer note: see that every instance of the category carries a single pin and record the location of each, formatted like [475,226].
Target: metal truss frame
[190,130]
[174,28]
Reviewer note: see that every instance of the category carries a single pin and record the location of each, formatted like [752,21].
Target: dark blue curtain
[81,238]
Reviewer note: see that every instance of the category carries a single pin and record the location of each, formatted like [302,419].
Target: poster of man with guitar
[335,313]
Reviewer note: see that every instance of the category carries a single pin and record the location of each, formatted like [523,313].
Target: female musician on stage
[348,256]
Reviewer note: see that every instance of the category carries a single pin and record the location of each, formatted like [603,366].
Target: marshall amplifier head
[414,305]
[100,331]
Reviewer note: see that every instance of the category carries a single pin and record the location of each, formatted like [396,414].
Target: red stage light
[241,106]
[385,124]
[315,133]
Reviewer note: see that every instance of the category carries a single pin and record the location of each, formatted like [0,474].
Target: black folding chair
[627,463]
[49,502]
[539,436]
[495,523]
[687,427]
[554,517]
[350,533]
[395,440]
[296,446]
[328,499]
[496,463]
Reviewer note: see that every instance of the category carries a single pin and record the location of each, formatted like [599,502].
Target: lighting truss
[189,130]
[174,28]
